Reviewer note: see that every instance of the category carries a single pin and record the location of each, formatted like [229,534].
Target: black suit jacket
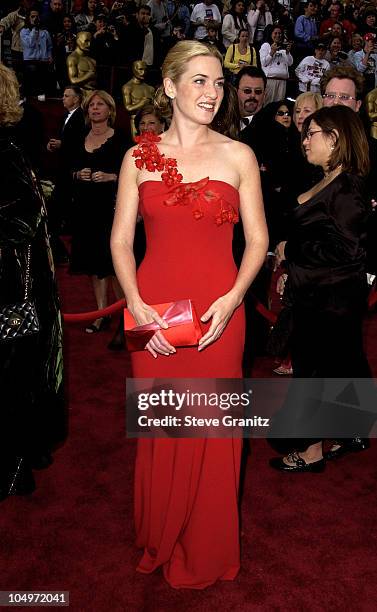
[72,135]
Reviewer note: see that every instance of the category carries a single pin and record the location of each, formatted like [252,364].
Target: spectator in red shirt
[336,16]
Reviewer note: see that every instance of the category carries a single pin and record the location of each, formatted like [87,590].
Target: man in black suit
[72,134]
[251,86]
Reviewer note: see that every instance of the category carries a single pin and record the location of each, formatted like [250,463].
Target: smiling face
[317,145]
[302,110]
[199,91]
[276,35]
[98,111]
[283,116]
[335,46]
[250,93]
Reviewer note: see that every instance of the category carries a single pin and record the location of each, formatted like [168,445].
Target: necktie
[245,121]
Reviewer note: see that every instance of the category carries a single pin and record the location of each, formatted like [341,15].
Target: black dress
[327,281]
[327,284]
[93,209]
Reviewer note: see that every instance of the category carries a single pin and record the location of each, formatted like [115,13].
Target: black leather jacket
[31,369]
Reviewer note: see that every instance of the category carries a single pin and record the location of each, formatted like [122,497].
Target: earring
[171,96]
[332,147]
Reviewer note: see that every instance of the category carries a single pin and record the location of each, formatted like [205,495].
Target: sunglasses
[281,113]
[249,90]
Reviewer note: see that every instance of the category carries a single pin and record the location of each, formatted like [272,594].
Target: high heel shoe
[298,464]
[104,324]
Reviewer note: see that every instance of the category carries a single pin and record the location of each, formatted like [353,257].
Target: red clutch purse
[183,330]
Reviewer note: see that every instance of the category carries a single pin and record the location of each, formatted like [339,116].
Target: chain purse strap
[27,274]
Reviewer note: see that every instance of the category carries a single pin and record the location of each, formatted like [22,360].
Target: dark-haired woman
[240,54]
[84,20]
[234,22]
[327,271]
[275,61]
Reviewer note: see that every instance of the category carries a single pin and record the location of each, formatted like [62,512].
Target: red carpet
[309,541]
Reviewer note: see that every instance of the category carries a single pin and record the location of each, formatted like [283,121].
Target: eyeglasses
[334,96]
[249,90]
[281,113]
[310,134]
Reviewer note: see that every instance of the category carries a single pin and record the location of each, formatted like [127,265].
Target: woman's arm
[256,243]
[230,52]
[265,55]
[122,239]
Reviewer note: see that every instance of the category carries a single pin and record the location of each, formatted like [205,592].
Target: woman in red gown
[186,490]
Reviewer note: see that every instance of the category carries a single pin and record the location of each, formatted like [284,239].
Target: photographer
[37,55]
[366,61]
[105,42]
[15,21]
[205,14]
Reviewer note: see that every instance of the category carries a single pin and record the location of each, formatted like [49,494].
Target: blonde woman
[186,505]
[95,172]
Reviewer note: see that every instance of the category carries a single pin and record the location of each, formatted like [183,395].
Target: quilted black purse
[20,319]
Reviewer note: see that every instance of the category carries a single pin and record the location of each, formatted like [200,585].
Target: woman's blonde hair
[316,98]
[175,64]
[10,109]
[108,100]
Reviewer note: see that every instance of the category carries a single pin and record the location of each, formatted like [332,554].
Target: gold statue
[82,67]
[136,93]
[371,108]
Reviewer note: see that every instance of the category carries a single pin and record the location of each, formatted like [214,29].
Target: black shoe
[104,323]
[355,445]
[299,464]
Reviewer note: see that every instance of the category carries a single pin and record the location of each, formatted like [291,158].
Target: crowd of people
[268,165]
[290,47]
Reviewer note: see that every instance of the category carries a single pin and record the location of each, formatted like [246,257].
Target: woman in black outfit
[32,415]
[327,266]
[95,175]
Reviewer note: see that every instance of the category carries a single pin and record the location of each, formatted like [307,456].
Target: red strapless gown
[186,490]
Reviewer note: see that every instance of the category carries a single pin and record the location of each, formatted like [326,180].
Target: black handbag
[20,319]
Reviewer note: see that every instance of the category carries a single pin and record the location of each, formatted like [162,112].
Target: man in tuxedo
[251,85]
[72,134]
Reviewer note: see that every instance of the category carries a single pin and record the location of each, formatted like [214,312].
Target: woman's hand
[103,177]
[279,254]
[84,175]
[221,310]
[274,48]
[143,314]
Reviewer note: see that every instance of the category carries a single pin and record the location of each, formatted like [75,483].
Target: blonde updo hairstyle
[175,65]
[10,110]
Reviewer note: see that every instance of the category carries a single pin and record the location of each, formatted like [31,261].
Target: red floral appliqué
[195,194]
